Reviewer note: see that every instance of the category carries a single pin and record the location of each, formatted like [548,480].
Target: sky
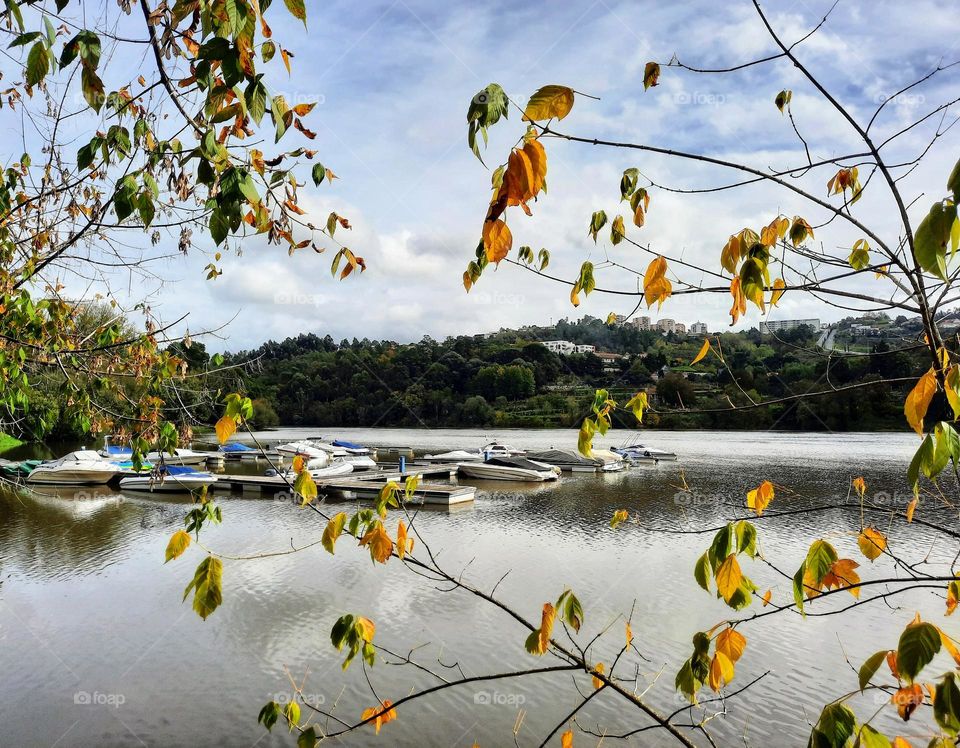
[393,81]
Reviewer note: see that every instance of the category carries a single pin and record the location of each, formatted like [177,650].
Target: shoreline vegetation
[509,379]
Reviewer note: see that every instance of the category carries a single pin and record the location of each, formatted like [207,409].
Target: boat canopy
[562,457]
[118,449]
[180,470]
[236,447]
[346,445]
[516,462]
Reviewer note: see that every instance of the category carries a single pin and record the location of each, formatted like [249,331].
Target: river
[96,648]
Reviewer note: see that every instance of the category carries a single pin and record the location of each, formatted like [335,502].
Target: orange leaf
[759,498]
[766,597]
[404,543]
[872,542]
[597,683]
[860,486]
[225,427]
[566,740]
[731,643]
[907,699]
[379,543]
[917,402]
[497,240]
[911,508]
[721,670]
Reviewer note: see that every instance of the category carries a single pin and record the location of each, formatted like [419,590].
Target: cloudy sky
[393,80]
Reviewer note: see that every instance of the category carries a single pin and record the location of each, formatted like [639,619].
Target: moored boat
[318,471]
[611,461]
[508,468]
[180,456]
[302,448]
[457,455]
[168,478]
[636,452]
[81,468]
[568,460]
[496,449]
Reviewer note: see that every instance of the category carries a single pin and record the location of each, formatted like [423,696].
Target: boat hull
[483,471]
[72,477]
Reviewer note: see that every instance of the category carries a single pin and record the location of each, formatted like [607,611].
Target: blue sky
[394,79]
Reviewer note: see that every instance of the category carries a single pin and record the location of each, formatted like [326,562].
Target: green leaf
[24,39]
[269,714]
[870,738]
[835,727]
[930,240]
[92,88]
[953,182]
[702,571]
[570,610]
[820,558]
[256,98]
[207,587]
[918,645]
[297,9]
[946,704]
[268,50]
[38,63]
[319,173]
[869,668]
[486,109]
[308,738]
[597,221]
[746,538]
[292,712]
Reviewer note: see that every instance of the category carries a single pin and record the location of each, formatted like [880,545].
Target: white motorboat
[568,460]
[168,478]
[180,456]
[495,449]
[303,448]
[82,468]
[318,471]
[115,452]
[457,455]
[508,468]
[359,457]
[611,461]
[637,452]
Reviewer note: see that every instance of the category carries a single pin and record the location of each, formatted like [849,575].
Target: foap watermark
[283,697]
[690,498]
[294,298]
[497,298]
[905,99]
[85,698]
[498,698]
[699,98]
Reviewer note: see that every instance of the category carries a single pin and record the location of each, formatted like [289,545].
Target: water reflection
[87,606]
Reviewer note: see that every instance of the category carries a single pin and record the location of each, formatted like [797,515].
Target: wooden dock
[356,485]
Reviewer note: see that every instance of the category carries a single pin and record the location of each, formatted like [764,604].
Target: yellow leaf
[917,402]
[549,102]
[842,575]
[779,286]
[306,487]
[619,517]
[404,543]
[949,646]
[911,508]
[728,577]
[379,543]
[366,628]
[497,240]
[759,498]
[332,531]
[731,643]
[872,543]
[298,464]
[566,740]
[538,641]
[226,427]
[704,350]
[629,634]
[766,597]
[721,670]
[656,287]
[179,542]
[899,742]
[860,486]
[952,389]
[597,683]
[383,713]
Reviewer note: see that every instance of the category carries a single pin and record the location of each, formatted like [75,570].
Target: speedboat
[611,461]
[21,469]
[457,455]
[359,457]
[168,478]
[115,451]
[637,452]
[318,470]
[568,459]
[82,468]
[179,456]
[355,449]
[302,448]
[495,449]
[508,468]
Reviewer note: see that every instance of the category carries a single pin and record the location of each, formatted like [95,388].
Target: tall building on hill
[778,325]
[698,328]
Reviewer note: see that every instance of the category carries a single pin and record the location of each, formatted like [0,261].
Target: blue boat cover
[347,445]
[236,447]
[181,470]
[118,450]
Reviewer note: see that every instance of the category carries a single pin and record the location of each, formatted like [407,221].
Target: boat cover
[113,449]
[236,447]
[517,462]
[181,470]
[347,445]
[562,457]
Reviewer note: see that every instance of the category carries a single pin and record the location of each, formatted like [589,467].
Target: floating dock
[360,485]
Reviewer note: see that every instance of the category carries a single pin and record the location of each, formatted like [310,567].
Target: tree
[675,389]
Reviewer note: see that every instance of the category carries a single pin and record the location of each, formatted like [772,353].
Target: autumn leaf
[860,486]
[179,542]
[333,530]
[651,75]
[721,670]
[225,428]
[566,740]
[379,543]
[872,543]
[779,288]
[842,575]
[728,577]
[731,643]
[917,402]
[539,640]
[704,350]
[619,517]
[656,287]
[549,102]
[497,240]
[597,683]
[404,543]
[760,497]
[380,715]
[907,699]
[629,634]
[766,597]
[783,99]
[911,508]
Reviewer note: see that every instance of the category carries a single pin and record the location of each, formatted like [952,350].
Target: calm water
[88,607]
